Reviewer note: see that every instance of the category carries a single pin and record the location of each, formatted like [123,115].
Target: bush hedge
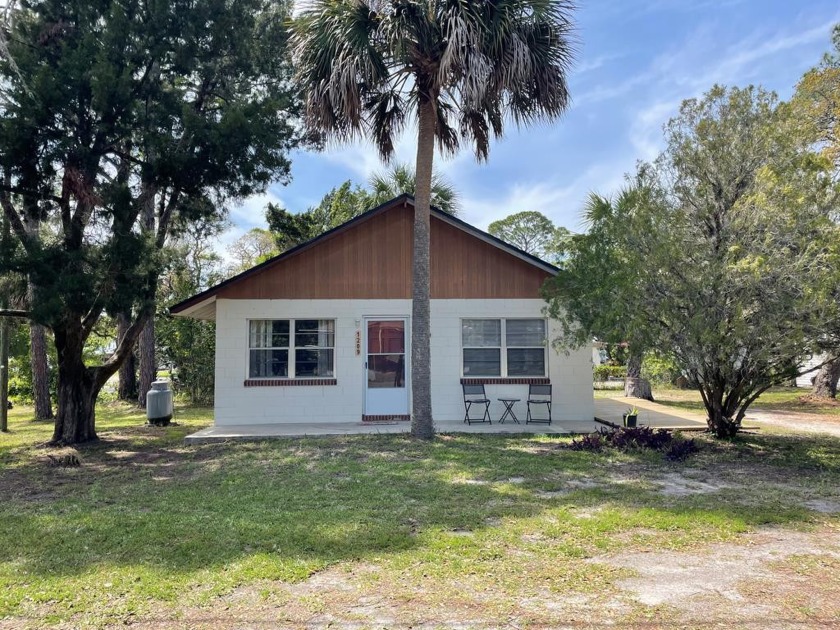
[605,372]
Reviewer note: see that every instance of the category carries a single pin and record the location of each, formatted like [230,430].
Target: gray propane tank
[159,403]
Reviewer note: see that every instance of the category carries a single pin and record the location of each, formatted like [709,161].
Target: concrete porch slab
[609,411]
[257,432]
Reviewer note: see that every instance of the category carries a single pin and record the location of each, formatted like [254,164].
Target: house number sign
[358,342]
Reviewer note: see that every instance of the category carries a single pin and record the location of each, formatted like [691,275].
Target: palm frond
[365,64]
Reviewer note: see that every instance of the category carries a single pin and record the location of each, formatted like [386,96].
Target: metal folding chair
[539,395]
[474,395]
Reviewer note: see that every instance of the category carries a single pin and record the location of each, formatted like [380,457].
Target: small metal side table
[509,403]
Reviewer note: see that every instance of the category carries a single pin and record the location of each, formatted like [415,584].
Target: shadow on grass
[302,505]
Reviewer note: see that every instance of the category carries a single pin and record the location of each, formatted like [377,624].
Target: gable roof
[201,304]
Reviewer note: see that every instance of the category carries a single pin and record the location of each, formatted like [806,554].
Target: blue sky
[638,59]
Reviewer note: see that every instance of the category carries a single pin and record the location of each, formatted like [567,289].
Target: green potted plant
[630,417]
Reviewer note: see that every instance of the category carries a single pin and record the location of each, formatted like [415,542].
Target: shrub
[593,442]
[640,437]
[658,369]
[673,447]
[680,449]
[605,372]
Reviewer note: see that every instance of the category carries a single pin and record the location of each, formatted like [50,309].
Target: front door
[386,389]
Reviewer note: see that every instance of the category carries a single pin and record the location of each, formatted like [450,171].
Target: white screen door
[386,390]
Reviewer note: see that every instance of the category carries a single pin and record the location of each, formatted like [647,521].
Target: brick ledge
[289,382]
[386,418]
[493,380]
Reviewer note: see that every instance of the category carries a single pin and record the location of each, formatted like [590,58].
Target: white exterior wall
[806,380]
[571,376]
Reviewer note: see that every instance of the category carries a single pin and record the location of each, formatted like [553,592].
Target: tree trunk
[127,388]
[634,385]
[77,391]
[721,424]
[148,368]
[422,425]
[719,418]
[4,373]
[825,382]
[40,372]
[4,345]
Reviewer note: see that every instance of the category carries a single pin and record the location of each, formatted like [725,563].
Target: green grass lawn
[147,528]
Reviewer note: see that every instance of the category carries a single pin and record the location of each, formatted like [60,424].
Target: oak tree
[119,123]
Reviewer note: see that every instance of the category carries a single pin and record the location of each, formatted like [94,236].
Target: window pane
[525,332]
[315,333]
[313,363]
[482,362]
[526,362]
[269,333]
[386,371]
[386,337]
[269,364]
[481,333]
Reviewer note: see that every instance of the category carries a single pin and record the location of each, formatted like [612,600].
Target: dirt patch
[823,506]
[810,399]
[677,485]
[798,421]
[473,482]
[708,585]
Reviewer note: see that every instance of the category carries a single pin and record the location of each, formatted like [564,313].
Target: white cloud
[645,131]
[562,203]
[251,212]
[593,64]
[243,217]
[688,70]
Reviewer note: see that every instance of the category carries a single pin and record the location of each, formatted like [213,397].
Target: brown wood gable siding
[372,260]
[368,261]
[464,266]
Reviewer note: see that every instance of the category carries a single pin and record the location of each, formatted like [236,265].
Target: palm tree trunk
[422,425]
[825,382]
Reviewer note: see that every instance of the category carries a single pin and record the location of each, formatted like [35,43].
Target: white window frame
[292,349]
[503,348]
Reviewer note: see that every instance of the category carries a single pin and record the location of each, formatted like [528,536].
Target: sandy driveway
[797,421]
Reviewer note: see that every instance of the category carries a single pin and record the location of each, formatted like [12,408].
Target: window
[504,347]
[525,346]
[314,347]
[311,348]
[482,342]
[269,349]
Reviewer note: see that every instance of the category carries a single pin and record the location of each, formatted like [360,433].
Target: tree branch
[125,345]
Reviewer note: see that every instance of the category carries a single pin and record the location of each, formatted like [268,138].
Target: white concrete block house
[321,333]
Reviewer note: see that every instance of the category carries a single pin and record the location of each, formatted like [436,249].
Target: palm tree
[460,66]
[400,179]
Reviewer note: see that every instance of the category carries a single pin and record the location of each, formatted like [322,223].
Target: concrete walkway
[607,411]
[257,432]
[611,410]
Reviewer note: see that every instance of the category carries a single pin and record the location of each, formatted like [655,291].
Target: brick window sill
[289,382]
[495,380]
